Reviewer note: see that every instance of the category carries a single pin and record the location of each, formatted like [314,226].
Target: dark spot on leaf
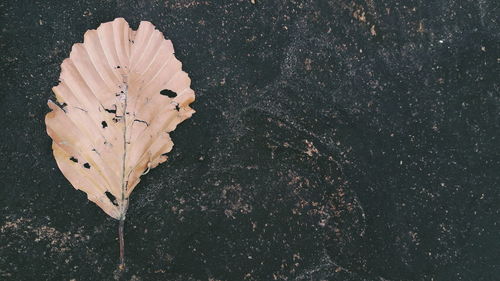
[82,109]
[104,124]
[111,198]
[117,66]
[177,107]
[168,93]
[86,165]
[141,121]
[73,159]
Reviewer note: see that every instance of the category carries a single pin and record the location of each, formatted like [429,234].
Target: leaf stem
[122,244]
[123,201]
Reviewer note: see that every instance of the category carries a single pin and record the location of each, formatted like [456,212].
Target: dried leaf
[121,93]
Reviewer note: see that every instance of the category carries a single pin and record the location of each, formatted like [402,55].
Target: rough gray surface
[333,140]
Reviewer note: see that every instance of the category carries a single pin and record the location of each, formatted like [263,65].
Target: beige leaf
[113,123]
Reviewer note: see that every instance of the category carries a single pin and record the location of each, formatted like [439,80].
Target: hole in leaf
[111,198]
[73,159]
[62,105]
[110,110]
[168,93]
[86,165]
[104,124]
[117,66]
[177,107]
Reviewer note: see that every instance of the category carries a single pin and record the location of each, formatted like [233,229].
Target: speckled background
[333,140]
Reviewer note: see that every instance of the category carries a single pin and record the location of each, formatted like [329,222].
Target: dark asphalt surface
[333,140]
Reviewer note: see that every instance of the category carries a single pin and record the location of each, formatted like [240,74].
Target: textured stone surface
[333,140]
